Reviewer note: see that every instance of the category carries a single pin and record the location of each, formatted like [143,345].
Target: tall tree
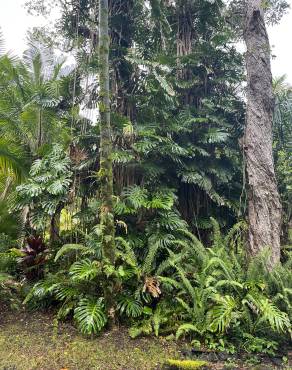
[106,171]
[264,207]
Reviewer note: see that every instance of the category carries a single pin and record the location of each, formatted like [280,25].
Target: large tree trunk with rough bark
[106,171]
[264,207]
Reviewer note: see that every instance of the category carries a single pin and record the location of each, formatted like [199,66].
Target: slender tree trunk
[8,184]
[40,128]
[264,207]
[55,224]
[106,171]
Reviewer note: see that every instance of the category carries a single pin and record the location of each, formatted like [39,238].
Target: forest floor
[29,341]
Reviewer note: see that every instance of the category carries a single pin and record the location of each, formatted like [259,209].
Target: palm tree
[32,92]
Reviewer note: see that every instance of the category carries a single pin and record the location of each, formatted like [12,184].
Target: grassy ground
[28,342]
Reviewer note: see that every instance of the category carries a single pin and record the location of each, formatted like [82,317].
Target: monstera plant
[45,192]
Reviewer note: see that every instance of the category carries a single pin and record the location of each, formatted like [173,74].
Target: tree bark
[106,171]
[40,129]
[55,224]
[264,207]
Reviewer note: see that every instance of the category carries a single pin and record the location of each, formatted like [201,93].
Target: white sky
[14,22]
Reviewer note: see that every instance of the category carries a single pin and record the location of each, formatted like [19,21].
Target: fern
[148,262]
[238,228]
[217,237]
[187,329]
[169,263]
[277,319]
[223,313]
[158,319]
[169,281]
[42,290]
[217,261]
[129,253]
[196,248]
[144,328]
[184,305]
[68,248]
[190,289]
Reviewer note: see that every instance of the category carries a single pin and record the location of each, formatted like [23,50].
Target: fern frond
[218,262]
[217,237]
[169,281]
[278,320]
[129,252]
[68,248]
[187,329]
[184,305]
[237,228]
[187,284]
[223,313]
[148,262]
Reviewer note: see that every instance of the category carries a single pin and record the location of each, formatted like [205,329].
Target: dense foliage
[181,267]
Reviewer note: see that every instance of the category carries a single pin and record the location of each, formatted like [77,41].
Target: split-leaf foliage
[177,116]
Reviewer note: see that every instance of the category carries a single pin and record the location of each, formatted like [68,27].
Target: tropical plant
[282,130]
[127,208]
[31,95]
[221,293]
[46,191]
[33,257]
[9,291]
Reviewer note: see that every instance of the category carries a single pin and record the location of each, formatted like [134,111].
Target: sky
[14,22]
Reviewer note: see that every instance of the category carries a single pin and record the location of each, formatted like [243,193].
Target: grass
[187,364]
[29,342]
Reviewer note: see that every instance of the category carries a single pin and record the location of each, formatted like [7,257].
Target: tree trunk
[264,207]
[106,171]
[55,224]
[40,129]
[8,184]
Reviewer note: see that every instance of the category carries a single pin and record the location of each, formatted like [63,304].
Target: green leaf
[85,270]
[67,248]
[130,306]
[90,316]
